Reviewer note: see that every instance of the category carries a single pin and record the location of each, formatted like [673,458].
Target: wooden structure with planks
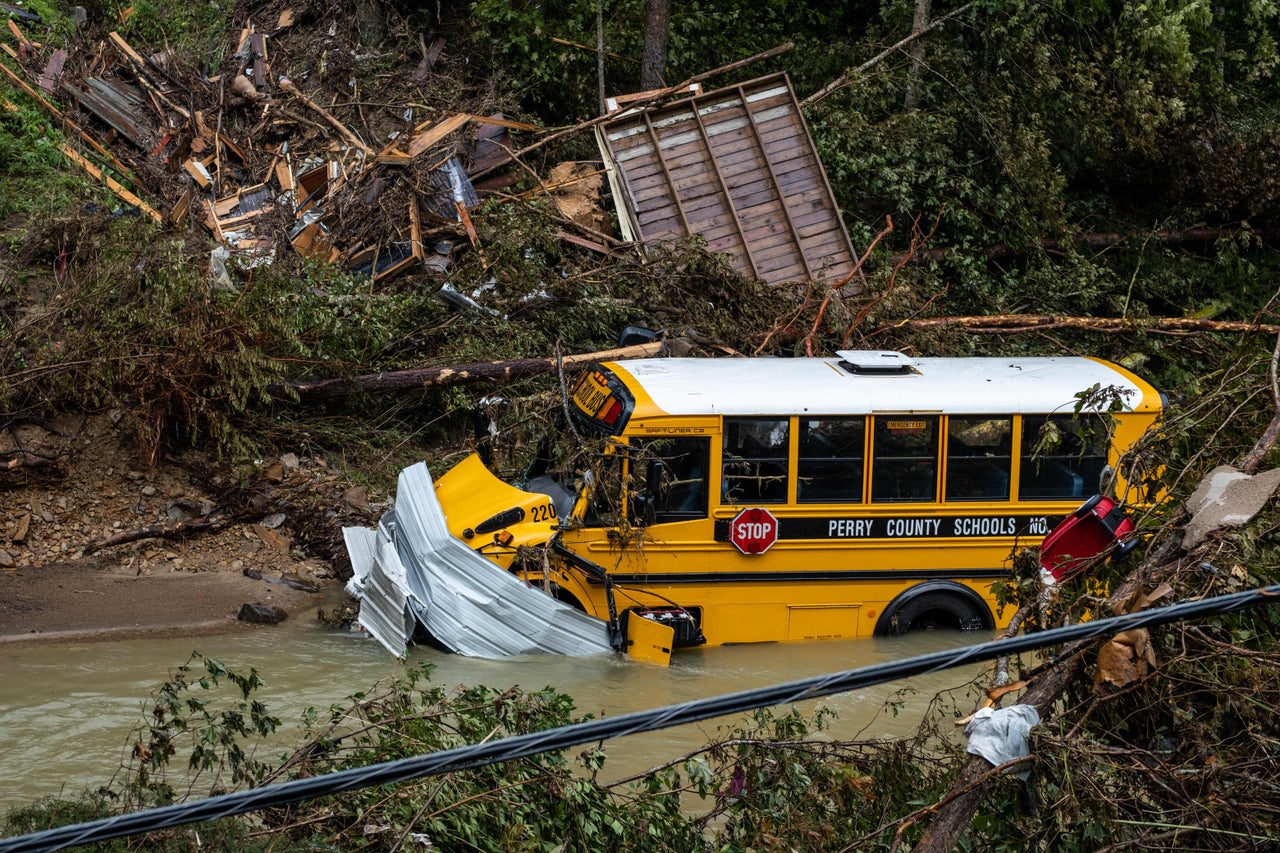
[737,167]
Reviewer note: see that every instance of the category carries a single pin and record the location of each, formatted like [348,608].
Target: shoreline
[84,600]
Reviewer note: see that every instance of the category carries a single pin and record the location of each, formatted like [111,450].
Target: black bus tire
[949,606]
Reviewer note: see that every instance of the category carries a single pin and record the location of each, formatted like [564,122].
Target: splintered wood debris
[266,161]
[258,159]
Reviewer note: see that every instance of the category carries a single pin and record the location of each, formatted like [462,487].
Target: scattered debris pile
[256,156]
[299,138]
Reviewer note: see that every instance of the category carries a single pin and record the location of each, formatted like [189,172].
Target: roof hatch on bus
[877,361]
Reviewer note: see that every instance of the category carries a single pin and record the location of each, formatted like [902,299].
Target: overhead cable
[563,737]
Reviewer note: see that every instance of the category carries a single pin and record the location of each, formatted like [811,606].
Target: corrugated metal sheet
[412,568]
[120,106]
[738,167]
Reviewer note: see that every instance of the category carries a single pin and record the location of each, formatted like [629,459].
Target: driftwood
[20,468]
[287,85]
[1005,323]
[181,530]
[20,460]
[428,377]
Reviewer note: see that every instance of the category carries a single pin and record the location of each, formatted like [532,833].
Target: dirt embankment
[78,486]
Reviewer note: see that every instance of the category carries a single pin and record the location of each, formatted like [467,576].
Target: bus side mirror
[644,504]
[653,478]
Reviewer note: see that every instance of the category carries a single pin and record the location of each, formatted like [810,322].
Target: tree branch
[1007,323]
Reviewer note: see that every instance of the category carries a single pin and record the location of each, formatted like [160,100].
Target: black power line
[534,743]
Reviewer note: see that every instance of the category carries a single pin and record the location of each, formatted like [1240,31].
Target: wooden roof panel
[736,166]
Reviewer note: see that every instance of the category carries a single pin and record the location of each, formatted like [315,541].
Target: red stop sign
[753,531]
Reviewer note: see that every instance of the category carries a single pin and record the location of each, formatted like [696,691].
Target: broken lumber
[123,194]
[428,377]
[1009,323]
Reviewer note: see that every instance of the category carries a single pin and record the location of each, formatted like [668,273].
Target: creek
[67,709]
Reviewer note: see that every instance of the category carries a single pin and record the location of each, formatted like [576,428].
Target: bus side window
[755,460]
[671,474]
[831,459]
[979,458]
[1071,455]
[904,458]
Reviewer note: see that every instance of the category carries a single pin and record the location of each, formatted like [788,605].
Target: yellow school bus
[768,499]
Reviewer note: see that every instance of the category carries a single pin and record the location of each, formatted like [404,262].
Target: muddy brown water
[67,708]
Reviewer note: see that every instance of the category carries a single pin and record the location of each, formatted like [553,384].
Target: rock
[1227,498]
[275,540]
[261,614]
[357,497]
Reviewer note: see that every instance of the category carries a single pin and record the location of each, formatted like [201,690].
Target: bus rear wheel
[934,606]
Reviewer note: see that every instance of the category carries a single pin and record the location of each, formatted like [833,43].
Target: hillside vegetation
[1060,159]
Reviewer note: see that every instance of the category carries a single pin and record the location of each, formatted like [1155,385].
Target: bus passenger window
[671,476]
[1062,457]
[904,458]
[830,463]
[755,460]
[979,458]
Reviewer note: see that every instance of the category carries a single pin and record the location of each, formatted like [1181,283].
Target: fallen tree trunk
[180,530]
[1005,323]
[428,377]
[1097,240]
[955,812]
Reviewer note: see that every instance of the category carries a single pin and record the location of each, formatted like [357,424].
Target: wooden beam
[437,131]
[112,184]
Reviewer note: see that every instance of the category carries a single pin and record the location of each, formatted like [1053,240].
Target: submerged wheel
[568,598]
[935,605]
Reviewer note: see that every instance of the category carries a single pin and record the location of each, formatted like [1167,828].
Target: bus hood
[411,569]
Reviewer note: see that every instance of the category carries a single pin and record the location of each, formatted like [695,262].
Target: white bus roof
[823,386]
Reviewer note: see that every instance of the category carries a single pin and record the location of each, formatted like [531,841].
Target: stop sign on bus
[754,530]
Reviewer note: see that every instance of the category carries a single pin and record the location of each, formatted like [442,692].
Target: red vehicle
[1100,523]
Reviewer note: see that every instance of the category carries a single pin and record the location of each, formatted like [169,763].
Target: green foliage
[1042,121]
[33,177]
[190,715]
[50,812]
[538,803]
[188,28]
[560,82]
